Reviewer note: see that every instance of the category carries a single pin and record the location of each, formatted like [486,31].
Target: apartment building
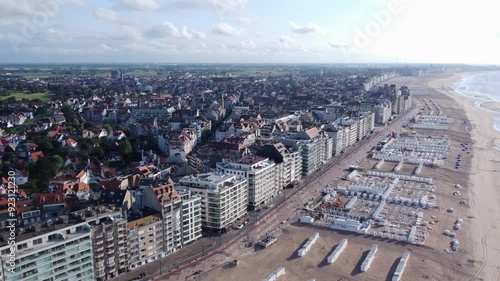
[54,252]
[288,162]
[366,124]
[316,148]
[191,217]
[179,216]
[110,242]
[146,240]
[223,197]
[260,174]
[382,110]
[336,133]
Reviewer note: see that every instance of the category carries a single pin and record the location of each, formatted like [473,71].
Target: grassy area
[140,73]
[36,74]
[20,95]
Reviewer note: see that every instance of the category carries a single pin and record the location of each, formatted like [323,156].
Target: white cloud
[226,30]
[151,47]
[14,12]
[104,47]
[284,42]
[168,29]
[128,33]
[226,5]
[56,36]
[308,28]
[245,20]
[79,3]
[286,39]
[16,8]
[107,15]
[335,44]
[199,34]
[142,5]
[56,51]
[241,45]
[217,5]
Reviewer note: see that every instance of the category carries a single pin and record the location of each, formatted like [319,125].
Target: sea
[482,87]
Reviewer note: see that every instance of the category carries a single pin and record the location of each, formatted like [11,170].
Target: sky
[249,31]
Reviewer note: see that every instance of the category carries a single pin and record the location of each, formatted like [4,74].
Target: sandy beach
[484,179]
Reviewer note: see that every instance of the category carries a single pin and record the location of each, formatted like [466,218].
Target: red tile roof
[48,199]
[36,155]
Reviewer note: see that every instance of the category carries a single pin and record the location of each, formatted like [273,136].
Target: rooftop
[250,160]
[214,179]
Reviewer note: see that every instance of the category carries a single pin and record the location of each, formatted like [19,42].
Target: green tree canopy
[125,147]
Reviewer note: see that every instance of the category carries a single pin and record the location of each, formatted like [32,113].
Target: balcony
[98,242]
[99,273]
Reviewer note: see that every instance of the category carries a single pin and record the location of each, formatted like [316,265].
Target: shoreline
[483,176]
[483,102]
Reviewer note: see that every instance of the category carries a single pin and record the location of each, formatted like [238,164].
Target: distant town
[107,168]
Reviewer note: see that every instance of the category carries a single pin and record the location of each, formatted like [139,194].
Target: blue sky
[249,31]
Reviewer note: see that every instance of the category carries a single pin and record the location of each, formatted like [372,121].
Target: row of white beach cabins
[337,252]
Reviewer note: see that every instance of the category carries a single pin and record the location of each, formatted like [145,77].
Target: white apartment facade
[288,162]
[260,174]
[316,149]
[191,217]
[223,197]
[336,133]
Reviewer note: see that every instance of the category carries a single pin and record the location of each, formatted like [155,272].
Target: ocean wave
[481,87]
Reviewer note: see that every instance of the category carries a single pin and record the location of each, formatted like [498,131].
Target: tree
[97,152]
[69,114]
[107,127]
[125,147]
[45,146]
[88,125]
[44,169]
[85,146]
[56,162]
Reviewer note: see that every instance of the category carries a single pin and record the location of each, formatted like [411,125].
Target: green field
[140,73]
[20,95]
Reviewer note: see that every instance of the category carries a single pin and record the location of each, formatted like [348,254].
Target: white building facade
[260,174]
[223,197]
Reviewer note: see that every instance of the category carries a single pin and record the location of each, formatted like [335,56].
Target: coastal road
[289,208]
